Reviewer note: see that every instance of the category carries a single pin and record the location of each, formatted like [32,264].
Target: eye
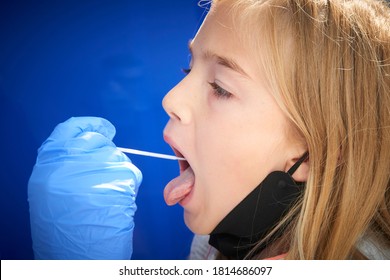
[220,92]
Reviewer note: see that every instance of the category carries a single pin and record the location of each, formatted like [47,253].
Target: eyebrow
[221,60]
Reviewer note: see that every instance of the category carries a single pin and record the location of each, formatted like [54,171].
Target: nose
[177,103]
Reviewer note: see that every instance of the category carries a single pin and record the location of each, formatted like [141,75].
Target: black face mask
[252,219]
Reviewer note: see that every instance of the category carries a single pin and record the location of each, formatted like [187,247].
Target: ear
[302,172]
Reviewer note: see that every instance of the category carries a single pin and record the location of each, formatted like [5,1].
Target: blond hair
[328,65]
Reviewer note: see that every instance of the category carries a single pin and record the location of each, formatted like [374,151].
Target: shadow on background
[114,59]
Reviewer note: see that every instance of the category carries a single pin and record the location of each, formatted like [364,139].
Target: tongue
[179,187]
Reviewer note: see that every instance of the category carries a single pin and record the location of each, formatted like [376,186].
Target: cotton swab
[149,154]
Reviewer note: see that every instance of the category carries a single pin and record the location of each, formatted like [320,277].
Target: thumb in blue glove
[82,194]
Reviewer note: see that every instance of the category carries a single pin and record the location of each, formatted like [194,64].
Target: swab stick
[149,154]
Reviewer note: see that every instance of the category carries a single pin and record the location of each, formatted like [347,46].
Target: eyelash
[218,91]
[186,70]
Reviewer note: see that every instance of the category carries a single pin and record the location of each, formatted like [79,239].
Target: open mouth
[179,188]
[183,164]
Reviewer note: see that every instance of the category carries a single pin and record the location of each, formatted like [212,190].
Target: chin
[197,227]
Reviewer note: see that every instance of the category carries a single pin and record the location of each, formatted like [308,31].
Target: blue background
[114,59]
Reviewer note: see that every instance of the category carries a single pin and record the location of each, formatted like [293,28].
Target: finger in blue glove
[82,194]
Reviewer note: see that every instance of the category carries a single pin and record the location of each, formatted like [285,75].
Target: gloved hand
[82,194]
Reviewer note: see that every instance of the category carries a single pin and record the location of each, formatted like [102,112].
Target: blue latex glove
[82,194]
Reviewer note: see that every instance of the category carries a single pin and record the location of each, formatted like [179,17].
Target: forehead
[218,24]
[221,35]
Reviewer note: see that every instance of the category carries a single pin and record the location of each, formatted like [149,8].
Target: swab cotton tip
[149,154]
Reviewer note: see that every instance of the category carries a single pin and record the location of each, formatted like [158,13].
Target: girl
[269,82]
[284,122]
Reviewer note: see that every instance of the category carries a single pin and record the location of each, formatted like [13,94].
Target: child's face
[226,124]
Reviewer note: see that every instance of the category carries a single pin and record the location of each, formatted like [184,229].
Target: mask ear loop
[298,163]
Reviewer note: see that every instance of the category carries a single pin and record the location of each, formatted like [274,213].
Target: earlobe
[298,168]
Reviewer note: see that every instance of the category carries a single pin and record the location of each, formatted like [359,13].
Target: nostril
[174,116]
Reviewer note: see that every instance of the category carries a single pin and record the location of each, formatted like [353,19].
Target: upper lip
[183,164]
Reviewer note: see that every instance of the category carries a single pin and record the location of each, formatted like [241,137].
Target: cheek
[220,186]
[243,153]
[236,164]
[234,153]
[225,175]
